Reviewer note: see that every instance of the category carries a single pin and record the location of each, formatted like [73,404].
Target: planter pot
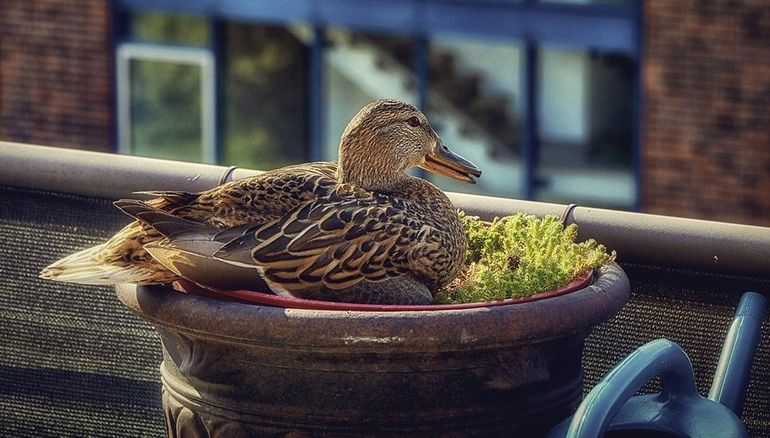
[234,369]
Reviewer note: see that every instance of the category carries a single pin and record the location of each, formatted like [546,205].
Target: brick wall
[706,144]
[55,73]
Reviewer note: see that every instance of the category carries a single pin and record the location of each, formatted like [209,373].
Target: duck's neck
[386,184]
[377,173]
[368,164]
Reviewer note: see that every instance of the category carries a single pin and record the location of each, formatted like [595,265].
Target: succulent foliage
[518,256]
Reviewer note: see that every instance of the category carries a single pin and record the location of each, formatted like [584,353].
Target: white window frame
[202,58]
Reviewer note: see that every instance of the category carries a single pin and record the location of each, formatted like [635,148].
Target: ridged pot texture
[234,369]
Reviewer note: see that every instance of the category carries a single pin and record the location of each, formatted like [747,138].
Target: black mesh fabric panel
[73,360]
[694,310]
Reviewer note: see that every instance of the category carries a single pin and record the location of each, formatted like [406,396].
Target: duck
[357,230]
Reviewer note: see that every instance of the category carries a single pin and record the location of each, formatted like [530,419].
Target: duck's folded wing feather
[162,221]
[174,198]
[334,244]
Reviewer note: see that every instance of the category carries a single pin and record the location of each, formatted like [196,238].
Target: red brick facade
[56,73]
[706,119]
[706,126]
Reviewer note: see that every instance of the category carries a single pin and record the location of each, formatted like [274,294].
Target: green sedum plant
[518,256]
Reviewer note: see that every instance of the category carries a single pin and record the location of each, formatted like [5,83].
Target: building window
[475,100]
[584,127]
[541,94]
[475,96]
[166,102]
[183,97]
[360,67]
[263,112]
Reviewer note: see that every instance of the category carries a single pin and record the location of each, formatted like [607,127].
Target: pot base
[450,405]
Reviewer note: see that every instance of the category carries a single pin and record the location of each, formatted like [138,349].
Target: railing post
[530,143]
[315,96]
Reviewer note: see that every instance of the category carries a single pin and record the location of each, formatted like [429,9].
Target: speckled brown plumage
[347,235]
[318,230]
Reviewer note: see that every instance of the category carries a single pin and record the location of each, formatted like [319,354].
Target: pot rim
[377,331]
[261,298]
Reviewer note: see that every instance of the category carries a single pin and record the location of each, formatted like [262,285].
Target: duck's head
[386,138]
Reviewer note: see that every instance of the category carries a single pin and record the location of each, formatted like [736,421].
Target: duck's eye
[413,121]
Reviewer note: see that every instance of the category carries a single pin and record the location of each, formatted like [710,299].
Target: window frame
[202,58]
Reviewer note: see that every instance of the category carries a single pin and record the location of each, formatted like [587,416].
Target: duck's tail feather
[163,222]
[85,267]
[175,198]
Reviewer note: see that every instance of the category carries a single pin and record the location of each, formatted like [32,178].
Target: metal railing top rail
[679,243]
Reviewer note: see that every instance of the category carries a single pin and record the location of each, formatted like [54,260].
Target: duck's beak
[443,161]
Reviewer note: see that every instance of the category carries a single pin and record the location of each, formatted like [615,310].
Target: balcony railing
[74,362]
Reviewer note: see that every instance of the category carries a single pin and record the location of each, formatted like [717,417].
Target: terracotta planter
[233,369]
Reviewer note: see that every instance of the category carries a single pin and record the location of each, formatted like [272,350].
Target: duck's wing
[256,200]
[335,242]
[340,238]
[260,198]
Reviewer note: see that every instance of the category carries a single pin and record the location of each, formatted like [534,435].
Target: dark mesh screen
[74,362]
[694,310]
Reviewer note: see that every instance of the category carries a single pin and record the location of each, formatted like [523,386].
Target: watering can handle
[678,408]
[734,368]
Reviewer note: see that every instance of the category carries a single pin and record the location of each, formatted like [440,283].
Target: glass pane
[264,107]
[174,29]
[475,104]
[360,68]
[166,110]
[585,128]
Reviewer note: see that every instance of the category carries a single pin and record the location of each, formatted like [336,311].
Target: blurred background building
[656,106]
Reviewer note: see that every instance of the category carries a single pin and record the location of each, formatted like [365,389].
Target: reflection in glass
[170,29]
[360,68]
[475,103]
[264,112]
[585,128]
[473,96]
[165,110]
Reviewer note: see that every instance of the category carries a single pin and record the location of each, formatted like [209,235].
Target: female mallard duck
[360,230]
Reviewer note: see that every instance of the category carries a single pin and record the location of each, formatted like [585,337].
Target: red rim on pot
[267,299]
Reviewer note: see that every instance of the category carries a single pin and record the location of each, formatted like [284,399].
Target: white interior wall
[499,62]
[344,99]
